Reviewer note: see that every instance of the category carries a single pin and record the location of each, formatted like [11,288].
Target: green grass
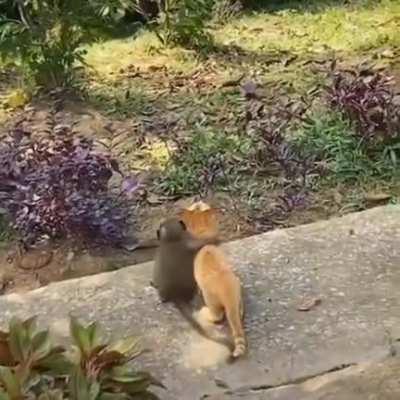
[5,231]
[255,45]
[331,139]
[265,41]
[208,155]
[340,29]
[143,51]
[136,79]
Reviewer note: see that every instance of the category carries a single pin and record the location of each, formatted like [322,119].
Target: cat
[222,293]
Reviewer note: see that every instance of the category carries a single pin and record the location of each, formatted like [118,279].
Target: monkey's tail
[186,312]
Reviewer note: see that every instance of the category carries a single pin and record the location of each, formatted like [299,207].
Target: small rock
[309,303]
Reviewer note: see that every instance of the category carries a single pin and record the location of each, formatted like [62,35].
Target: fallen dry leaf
[308,303]
[153,199]
[377,196]
[337,197]
[249,89]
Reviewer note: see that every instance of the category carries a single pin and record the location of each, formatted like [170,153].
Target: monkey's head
[171,230]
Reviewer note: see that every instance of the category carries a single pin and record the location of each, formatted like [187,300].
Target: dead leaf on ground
[337,197]
[250,89]
[288,60]
[153,199]
[308,304]
[377,196]
[33,260]
[233,82]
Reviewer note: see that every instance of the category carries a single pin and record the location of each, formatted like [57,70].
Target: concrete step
[350,263]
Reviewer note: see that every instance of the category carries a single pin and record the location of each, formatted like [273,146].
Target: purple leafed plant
[366,98]
[271,126]
[57,186]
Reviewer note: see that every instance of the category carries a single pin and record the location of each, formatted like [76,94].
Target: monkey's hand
[197,244]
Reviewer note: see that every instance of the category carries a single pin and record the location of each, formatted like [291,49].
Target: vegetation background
[116,113]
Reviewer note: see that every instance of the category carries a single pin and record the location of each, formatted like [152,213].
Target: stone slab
[351,263]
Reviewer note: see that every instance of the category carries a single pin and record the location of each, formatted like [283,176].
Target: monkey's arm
[197,244]
[144,244]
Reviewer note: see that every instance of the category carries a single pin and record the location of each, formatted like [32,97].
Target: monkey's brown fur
[173,275]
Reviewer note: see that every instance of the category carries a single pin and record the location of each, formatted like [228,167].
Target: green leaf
[81,337]
[11,383]
[94,334]
[41,345]
[52,395]
[145,396]
[393,157]
[30,325]
[4,396]
[128,346]
[17,340]
[56,364]
[124,375]
[94,391]
[113,396]
[78,385]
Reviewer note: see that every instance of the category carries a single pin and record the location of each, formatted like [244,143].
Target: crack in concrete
[250,389]
[302,379]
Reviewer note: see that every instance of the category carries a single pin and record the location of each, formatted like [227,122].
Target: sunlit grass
[300,31]
[142,52]
[306,32]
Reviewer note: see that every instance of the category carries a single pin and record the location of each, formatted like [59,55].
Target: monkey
[199,219]
[173,275]
[222,293]
[173,268]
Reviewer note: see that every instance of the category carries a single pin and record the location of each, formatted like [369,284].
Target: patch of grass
[347,159]
[208,159]
[300,31]
[6,233]
[142,51]
[122,99]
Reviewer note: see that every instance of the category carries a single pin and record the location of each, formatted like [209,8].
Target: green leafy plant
[103,367]
[32,368]
[225,10]
[29,362]
[184,23]
[47,36]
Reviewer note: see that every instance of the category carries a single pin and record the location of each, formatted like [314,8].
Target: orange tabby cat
[201,220]
[222,293]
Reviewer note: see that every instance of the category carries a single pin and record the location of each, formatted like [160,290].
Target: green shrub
[32,368]
[184,23]
[46,39]
[225,10]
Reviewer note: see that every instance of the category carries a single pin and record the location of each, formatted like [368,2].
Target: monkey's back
[173,272]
